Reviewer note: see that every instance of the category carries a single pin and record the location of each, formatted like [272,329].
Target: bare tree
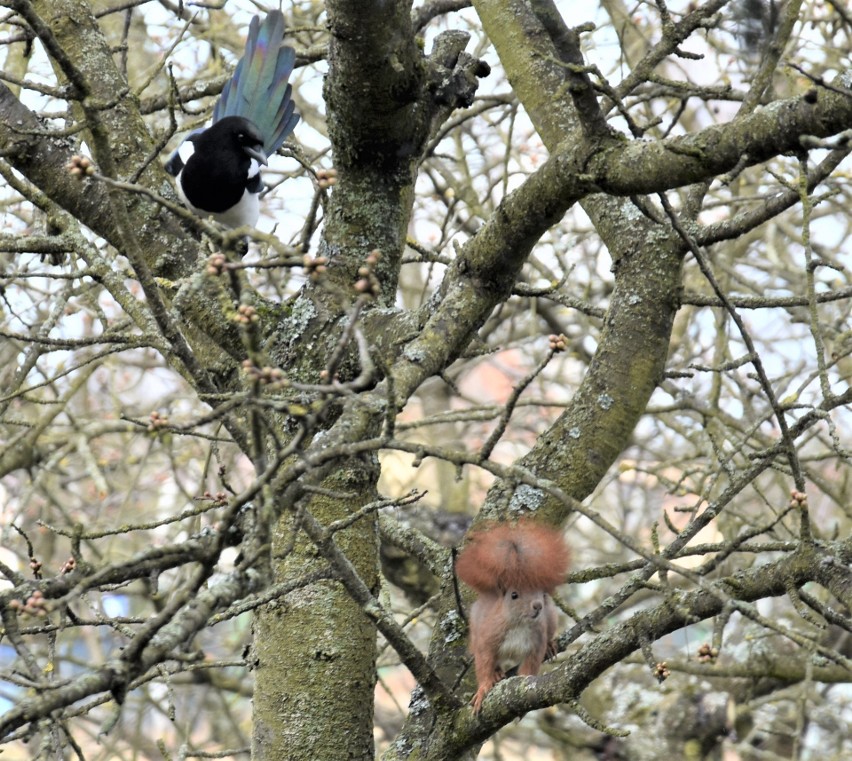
[507,266]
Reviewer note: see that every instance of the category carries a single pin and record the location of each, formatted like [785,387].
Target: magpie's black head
[239,134]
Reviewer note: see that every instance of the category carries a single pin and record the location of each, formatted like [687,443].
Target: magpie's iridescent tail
[258,90]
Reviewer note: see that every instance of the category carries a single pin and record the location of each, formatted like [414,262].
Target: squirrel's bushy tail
[525,556]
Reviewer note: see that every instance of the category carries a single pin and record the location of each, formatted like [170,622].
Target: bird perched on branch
[217,169]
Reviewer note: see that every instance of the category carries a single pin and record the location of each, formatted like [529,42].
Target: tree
[662,192]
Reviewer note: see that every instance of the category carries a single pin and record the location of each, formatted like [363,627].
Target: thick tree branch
[640,167]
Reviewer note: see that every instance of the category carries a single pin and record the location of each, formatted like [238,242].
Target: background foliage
[611,287]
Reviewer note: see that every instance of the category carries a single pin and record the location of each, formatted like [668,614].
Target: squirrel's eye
[515,595]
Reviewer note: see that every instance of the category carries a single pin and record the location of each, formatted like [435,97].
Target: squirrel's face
[526,604]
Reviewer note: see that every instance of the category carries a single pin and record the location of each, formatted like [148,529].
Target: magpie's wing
[258,89]
[177,161]
[174,165]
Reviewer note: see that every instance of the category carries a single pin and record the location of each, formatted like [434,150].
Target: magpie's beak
[257,154]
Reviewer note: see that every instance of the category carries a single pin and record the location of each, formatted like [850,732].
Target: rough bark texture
[314,696]
[314,650]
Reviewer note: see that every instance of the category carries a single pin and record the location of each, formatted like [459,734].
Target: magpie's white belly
[245,212]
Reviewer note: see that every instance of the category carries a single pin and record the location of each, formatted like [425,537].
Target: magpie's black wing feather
[176,161]
[174,164]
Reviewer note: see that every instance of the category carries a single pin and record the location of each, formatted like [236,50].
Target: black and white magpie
[217,169]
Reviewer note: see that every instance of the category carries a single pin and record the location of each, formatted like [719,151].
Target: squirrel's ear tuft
[526,556]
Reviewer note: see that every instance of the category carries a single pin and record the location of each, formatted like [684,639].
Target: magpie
[217,169]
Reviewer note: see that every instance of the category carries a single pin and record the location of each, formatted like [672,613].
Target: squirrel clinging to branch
[515,569]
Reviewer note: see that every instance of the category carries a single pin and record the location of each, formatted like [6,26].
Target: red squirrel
[515,569]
